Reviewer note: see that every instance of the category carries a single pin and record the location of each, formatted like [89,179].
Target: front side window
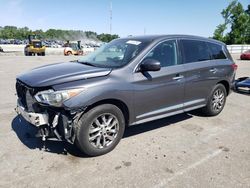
[216,50]
[115,54]
[195,51]
[165,53]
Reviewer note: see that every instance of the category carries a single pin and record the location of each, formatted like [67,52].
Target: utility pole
[110,27]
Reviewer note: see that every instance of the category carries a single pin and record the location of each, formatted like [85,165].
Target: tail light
[234,66]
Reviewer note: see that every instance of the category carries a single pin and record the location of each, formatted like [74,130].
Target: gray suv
[126,82]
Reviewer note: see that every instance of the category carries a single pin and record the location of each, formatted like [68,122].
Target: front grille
[25,94]
[21,90]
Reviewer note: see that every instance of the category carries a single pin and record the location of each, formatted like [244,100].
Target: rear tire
[100,129]
[216,101]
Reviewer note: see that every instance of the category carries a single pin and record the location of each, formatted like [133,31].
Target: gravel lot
[181,151]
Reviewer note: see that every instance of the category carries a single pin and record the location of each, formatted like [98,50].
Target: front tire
[216,101]
[100,129]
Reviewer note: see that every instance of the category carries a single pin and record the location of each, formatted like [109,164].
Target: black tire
[85,123]
[209,109]
[43,53]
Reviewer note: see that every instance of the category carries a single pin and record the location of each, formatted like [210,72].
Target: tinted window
[165,53]
[216,50]
[195,51]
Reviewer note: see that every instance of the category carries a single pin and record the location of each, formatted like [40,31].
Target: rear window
[216,50]
[195,51]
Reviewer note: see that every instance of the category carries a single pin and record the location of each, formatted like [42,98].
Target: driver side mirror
[150,65]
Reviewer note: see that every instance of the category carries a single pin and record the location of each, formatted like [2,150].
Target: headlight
[56,98]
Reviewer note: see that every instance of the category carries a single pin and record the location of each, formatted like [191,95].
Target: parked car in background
[1,50]
[245,55]
[126,82]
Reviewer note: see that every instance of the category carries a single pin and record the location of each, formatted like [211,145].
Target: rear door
[159,94]
[199,72]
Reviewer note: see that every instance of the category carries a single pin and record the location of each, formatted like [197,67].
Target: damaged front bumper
[52,125]
[36,119]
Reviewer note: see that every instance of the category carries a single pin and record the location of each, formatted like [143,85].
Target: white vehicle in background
[73,48]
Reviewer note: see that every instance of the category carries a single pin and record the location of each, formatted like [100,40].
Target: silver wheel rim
[103,130]
[218,100]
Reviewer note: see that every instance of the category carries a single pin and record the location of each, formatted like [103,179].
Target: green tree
[248,25]
[12,32]
[237,19]
[107,37]
[219,32]
[239,23]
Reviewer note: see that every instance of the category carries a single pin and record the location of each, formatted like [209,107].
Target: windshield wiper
[87,63]
[74,60]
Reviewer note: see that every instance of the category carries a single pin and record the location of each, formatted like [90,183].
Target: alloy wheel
[218,100]
[103,130]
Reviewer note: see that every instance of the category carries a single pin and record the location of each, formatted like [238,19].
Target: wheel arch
[226,85]
[120,104]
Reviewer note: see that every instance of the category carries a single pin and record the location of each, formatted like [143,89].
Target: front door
[160,94]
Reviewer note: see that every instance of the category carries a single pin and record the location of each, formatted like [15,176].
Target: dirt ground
[181,151]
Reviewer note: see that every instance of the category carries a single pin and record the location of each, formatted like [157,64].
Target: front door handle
[213,70]
[178,77]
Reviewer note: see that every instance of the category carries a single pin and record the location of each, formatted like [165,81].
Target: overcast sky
[130,17]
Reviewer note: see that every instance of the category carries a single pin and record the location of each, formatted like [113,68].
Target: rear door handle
[213,70]
[178,77]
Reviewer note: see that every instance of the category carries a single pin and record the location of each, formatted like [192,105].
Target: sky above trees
[130,17]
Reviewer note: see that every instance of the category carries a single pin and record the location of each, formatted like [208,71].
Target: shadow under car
[26,134]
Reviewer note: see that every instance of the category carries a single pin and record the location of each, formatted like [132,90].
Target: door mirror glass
[150,65]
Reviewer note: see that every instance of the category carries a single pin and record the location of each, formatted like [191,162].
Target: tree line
[13,32]
[236,26]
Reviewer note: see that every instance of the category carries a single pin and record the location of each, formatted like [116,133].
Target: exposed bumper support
[37,119]
[52,126]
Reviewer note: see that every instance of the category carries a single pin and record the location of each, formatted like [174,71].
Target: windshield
[115,54]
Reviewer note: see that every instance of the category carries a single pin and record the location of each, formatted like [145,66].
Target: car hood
[53,74]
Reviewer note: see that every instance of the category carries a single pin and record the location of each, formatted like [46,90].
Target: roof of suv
[162,37]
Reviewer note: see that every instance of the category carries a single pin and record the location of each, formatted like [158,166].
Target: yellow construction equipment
[35,46]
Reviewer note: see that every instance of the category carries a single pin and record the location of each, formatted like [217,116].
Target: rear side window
[216,50]
[195,51]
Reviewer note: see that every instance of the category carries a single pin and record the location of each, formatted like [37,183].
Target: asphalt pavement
[186,150]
